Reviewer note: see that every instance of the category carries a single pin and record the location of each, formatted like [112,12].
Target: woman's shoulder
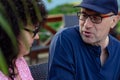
[23,69]
[21,65]
[2,76]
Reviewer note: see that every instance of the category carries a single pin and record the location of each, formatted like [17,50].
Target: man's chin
[92,43]
[88,41]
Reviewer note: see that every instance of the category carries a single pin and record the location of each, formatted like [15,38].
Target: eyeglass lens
[33,31]
[94,18]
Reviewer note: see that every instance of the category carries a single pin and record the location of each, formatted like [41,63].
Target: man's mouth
[87,34]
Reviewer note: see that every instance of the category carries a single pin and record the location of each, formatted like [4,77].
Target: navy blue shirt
[72,59]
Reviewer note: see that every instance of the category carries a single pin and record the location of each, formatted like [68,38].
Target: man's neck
[102,43]
[104,53]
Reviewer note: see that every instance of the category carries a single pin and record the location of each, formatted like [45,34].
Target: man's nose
[88,23]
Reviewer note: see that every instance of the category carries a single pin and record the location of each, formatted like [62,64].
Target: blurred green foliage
[49,0]
[118,28]
[55,25]
[64,9]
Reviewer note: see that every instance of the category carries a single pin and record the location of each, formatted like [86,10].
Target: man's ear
[116,18]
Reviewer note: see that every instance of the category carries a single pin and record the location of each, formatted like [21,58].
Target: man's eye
[96,17]
[84,15]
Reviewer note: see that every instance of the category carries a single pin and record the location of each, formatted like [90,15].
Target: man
[87,51]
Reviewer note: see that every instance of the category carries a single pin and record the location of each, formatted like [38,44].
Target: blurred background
[61,14]
[55,3]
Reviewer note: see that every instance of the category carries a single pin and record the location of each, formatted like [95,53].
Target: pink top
[23,70]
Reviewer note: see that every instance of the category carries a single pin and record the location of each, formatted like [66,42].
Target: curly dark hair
[13,16]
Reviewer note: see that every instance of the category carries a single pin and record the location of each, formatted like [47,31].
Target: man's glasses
[94,18]
[33,31]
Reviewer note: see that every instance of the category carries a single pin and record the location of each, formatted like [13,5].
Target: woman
[24,36]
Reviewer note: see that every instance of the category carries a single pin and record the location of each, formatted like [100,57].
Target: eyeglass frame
[35,31]
[100,17]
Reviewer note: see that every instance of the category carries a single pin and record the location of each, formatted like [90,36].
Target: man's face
[93,33]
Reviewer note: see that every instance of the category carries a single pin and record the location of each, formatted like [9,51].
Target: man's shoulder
[114,41]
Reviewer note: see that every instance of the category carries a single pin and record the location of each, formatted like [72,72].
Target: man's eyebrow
[95,14]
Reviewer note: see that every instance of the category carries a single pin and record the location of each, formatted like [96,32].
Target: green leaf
[3,65]
[5,25]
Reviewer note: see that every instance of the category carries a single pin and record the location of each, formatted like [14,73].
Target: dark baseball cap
[100,6]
